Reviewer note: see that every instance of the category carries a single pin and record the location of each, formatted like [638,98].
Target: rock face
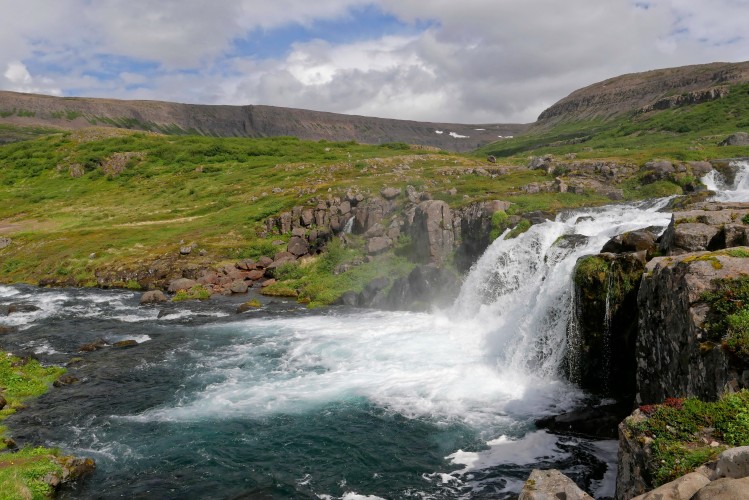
[737,139]
[675,357]
[633,477]
[551,485]
[433,229]
[601,337]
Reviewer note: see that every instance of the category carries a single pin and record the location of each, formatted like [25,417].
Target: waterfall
[349,226]
[519,295]
[736,191]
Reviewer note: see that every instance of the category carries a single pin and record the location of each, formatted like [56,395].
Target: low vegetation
[728,320]
[23,472]
[687,433]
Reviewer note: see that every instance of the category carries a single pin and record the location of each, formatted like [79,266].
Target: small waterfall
[519,295]
[349,226]
[737,191]
[606,340]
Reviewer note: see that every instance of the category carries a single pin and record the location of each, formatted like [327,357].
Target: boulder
[724,489]
[377,245]
[181,284]
[348,299]
[737,139]
[599,422]
[551,485]
[633,477]
[255,275]
[187,250]
[733,463]
[679,489]
[21,307]
[93,346]
[390,192]
[246,265]
[153,297]
[424,287]
[264,262]
[372,294]
[3,402]
[633,241]
[65,380]
[5,242]
[125,343]
[297,246]
[6,329]
[238,286]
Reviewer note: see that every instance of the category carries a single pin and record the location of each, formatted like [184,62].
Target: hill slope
[240,121]
[658,89]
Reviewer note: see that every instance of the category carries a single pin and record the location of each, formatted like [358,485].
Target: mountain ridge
[254,121]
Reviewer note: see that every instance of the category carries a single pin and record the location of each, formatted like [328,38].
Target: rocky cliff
[241,121]
[648,91]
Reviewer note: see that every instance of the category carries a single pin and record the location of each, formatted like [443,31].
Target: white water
[737,191]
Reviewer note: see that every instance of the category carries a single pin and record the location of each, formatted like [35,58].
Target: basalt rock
[153,297]
[424,287]
[676,356]
[432,231]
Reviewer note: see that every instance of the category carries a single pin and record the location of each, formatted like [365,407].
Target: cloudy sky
[471,61]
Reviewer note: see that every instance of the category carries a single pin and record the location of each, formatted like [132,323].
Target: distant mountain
[648,91]
[241,121]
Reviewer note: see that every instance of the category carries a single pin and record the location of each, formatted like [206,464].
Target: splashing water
[736,191]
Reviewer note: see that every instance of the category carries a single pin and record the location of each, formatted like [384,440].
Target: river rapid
[284,402]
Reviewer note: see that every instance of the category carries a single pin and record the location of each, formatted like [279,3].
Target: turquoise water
[284,403]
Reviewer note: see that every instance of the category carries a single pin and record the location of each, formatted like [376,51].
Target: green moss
[198,292]
[728,319]
[738,252]
[22,472]
[519,229]
[499,224]
[589,269]
[679,426]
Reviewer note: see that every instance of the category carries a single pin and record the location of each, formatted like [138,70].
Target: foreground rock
[706,226]
[153,297]
[676,355]
[551,485]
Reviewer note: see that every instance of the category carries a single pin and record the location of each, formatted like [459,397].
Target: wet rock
[153,297]
[551,485]
[65,380]
[125,343]
[181,284]
[348,299]
[248,306]
[599,422]
[165,312]
[238,287]
[635,453]
[21,307]
[6,329]
[424,287]
[372,294]
[93,346]
[73,469]
[632,241]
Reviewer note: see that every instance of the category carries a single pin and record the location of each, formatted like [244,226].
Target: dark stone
[152,297]
[65,380]
[348,299]
[297,246]
[371,294]
[633,241]
[425,286]
[246,265]
[264,262]
[598,422]
[125,343]
[93,346]
[21,307]
[6,329]
[3,402]
[181,284]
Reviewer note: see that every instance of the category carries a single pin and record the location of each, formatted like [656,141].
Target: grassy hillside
[684,133]
[77,202]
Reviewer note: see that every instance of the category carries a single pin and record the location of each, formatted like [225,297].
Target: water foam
[738,190]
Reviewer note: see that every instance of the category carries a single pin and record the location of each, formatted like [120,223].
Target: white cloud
[479,61]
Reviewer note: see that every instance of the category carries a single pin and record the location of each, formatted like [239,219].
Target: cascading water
[288,403]
[738,190]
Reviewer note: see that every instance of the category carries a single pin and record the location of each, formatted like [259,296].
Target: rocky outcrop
[675,355]
[551,485]
[639,91]
[634,475]
[433,228]
[706,226]
[601,337]
[737,139]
